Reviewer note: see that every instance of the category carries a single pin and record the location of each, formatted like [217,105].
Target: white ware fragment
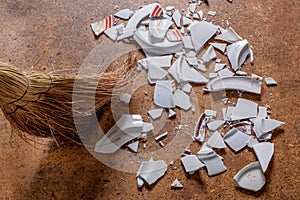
[250,177]
[219,66]
[241,83]
[187,88]
[161,61]
[245,109]
[201,67]
[177,18]
[158,29]
[252,142]
[163,95]
[236,139]
[125,98]
[270,81]
[174,35]
[241,73]
[211,113]
[213,163]
[161,143]
[263,127]
[201,14]
[237,54]
[192,7]
[113,32]
[187,42]
[199,130]
[156,113]
[182,100]
[124,14]
[215,125]
[172,113]
[219,46]
[225,73]
[212,13]
[186,21]
[156,12]
[127,128]
[147,127]
[228,35]
[264,152]
[204,151]
[193,61]
[134,146]
[196,16]
[156,72]
[170,8]
[216,141]
[161,136]
[176,184]
[140,182]
[151,171]
[209,55]
[189,74]
[191,163]
[102,25]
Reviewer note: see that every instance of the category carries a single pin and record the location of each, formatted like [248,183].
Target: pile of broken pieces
[179,47]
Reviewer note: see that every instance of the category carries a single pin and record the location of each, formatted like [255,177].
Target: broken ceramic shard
[225,73]
[156,12]
[193,7]
[113,32]
[158,29]
[215,125]
[99,27]
[245,109]
[127,128]
[170,8]
[156,72]
[270,81]
[252,142]
[250,177]
[156,113]
[124,14]
[172,113]
[213,163]
[204,151]
[176,184]
[191,163]
[236,139]
[134,146]
[211,113]
[186,21]
[151,171]
[219,46]
[125,98]
[264,152]
[174,35]
[209,55]
[162,136]
[177,18]
[264,126]
[161,61]
[182,100]
[187,88]
[191,75]
[219,66]
[216,141]
[187,42]
[163,95]
[201,14]
[241,83]
[201,32]
[192,61]
[237,54]
[140,182]
[147,127]
[228,35]
[199,131]
[212,13]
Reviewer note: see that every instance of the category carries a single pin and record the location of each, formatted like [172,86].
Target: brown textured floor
[53,35]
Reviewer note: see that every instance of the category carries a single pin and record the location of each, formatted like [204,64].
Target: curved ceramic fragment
[163,95]
[174,35]
[213,163]
[228,35]
[158,49]
[199,131]
[216,141]
[151,171]
[191,163]
[124,14]
[236,139]
[237,54]
[245,84]
[250,177]
[264,152]
[158,29]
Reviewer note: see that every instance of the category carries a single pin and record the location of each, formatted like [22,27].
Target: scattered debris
[176,184]
[191,163]
[161,136]
[236,139]
[134,146]
[213,163]
[216,141]
[212,13]
[124,14]
[156,113]
[215,125]
[270,81]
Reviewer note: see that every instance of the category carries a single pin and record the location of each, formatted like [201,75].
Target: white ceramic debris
[216,141]
[201,14]
[172,113]
[193,7]
[124,14]
[163,95]
[196,16]
[186,21]
[125,98]
[193,61]
[174,35]
[100,26]
[212,13]
[156,113]
[176,184]
[157,12]
[236,139]
[113,32]
[228,35]
[241,73]
[264,152]
[182,100]
[156,72]
[191,163]
[170,8]
[187,151]
[161,61]
[186,88]
[140,182]
[209,55]
[187,42]
[127,128]
[219,46]
[162,136]
[191,75]
[215,125]
[219,66]
[201,67]
[213,163]
[244,127]
[201,32]
[241,83]
[151,171]
[225,73]
[177,18]
[245,109]
[204,151]
[250,177]
[237,54]
[147,127]
[199,130]
[270,81]
[158,29]
[264,126]
[175,69]
[252,142]
[211,113]
[134,146]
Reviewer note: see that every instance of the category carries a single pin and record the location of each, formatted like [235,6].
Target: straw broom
[41,104]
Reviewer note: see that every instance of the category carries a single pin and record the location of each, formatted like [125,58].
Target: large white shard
[156,72]
[209,55]
[177,18]
[176,184]
[182,100]
[191,163]
[264,126]
[236,139]
[250,177]
[175,70]
[213,163]
[245,109]
[151,171]
[264,152]
[252,142]
[189,74]
[237,54]
[158,29]
[241,83]
[192,7]
[219,46]
[228,35]
[124,14]
[215,125]
[216,141]
[201,32]
[127,128]
[163,95]
[156,113]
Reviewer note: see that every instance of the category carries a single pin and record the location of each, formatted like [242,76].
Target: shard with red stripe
[100,26]
[157,12]
[174,35]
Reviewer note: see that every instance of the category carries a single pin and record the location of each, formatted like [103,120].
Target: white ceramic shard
[112,33]
[125,98]
[241,83]
[204,151]
[212,13]
[176,184]
[161,61]
[158,49]
[157,12]
[213,163]
[209,55]
[201,67]
[151,171]
[199,130]
[201,14]
[186,21]
[193,61]
[172,113]
[191,163]
[251,55]
[127,128]
[134,146]
[163,95]
[252,142]
[241,73]
[196,16]
[187,151]
[264,126]
[245,109]
[270,81]
[229,35]
[177,18]
[158,29]
[219,46]
[161,143]
[174,35]
[187,42]
[156,113]
[211,113]
[189,74]
[225,73]
[264,152]
[140,182]
[175,70]
[156,72]
[236,139]
[182,100]
[219,66]
[215,125]
[216,141]
[229,112]
[102,25]
[218,60]
[192,7]
[237,54]
[161,136]
[124,14]
[245,128]
[201,32]
[147,127]
[170,8]
[250,177]
[187,88]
